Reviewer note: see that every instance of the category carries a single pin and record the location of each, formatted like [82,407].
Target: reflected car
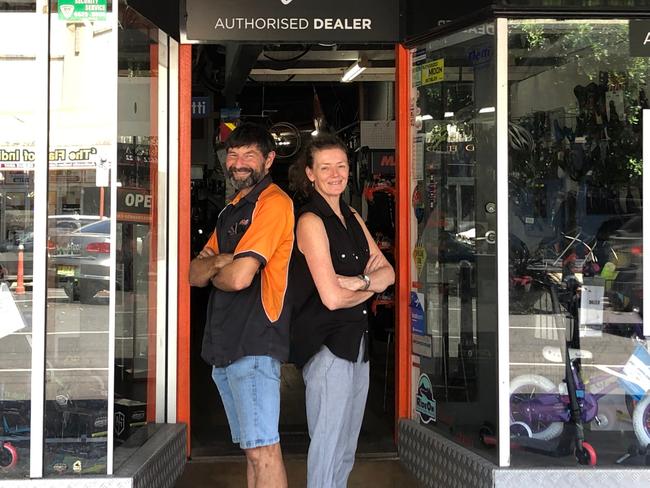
[66,223]
[58,225]
[80,260]
[627,245]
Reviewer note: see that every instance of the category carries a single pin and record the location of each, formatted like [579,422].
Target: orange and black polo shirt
[253,321]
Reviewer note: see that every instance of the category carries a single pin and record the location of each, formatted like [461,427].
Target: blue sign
[425,404]
[417,313]
[201,107]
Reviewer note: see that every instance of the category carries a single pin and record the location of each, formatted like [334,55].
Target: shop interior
[296,91]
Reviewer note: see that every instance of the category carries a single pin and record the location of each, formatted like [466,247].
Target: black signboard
[640,38]
[382,162]
[292,20]
[425,15]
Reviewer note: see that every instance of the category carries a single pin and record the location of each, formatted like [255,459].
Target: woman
[337,268]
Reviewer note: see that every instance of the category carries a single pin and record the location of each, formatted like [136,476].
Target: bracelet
[366,281]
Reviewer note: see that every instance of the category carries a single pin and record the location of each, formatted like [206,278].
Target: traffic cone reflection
[20,285]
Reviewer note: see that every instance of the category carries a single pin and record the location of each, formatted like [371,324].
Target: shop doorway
[296,90]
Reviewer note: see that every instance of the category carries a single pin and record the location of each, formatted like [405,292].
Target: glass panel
[18,129]
[79,243]
[139,103]
[576,317]
[454,180]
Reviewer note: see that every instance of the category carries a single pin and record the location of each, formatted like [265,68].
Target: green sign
[82,10]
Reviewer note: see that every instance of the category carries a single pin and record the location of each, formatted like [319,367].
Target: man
[246,336]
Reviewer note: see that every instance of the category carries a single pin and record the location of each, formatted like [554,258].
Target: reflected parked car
[80,260]
[627,247]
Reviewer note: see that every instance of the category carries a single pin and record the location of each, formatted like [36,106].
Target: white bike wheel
[640,421]
[529,383]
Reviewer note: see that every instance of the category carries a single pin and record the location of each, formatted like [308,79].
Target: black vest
[312,324]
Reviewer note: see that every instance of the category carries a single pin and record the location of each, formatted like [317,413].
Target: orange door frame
[403,330]
[403,244]
[184,229]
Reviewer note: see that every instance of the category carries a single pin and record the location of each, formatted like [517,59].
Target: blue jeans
[336,392]
[250,391]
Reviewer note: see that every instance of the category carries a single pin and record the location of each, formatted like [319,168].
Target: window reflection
[451,309]
[79,246]
[138,234]
[19,116]
[575,192]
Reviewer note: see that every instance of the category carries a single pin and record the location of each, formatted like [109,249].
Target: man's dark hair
[250,134]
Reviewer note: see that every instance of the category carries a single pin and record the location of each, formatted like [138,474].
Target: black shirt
[313,324]
[253,321]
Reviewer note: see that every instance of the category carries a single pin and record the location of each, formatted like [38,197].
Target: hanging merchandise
[380,195]
[418,204]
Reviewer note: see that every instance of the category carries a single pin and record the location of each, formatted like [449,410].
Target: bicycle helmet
[520,138]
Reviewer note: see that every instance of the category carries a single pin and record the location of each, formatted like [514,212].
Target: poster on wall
[433,72]
[421,345]
[417,313]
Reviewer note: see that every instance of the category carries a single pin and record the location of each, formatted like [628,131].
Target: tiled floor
[231,473]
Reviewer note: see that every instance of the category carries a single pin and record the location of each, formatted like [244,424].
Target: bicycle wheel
[641,421]
[287,139]
[8,456]
[522,392]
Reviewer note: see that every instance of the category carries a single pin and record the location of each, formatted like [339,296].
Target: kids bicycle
[540,410]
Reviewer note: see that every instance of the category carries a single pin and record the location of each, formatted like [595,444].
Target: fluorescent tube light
[355,70]
[486,110]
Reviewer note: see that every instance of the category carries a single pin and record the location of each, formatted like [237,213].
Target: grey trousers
[336,392]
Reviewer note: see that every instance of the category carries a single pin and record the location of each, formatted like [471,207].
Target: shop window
[453,293]
[19,121]
[577,334]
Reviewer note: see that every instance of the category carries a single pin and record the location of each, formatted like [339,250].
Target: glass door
[22,116]
[453,296]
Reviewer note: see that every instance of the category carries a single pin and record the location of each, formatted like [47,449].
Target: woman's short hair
[298,177]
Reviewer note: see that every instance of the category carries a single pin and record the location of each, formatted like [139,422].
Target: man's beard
[253,178]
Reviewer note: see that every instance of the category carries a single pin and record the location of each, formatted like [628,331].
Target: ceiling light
[426,117]
[486,110]
[449,115]
[355,70]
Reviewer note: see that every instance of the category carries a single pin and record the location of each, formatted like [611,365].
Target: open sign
[134,205]
[137,200]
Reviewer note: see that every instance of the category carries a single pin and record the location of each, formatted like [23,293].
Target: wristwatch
[366,280]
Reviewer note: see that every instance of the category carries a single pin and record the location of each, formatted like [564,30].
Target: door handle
[490,237]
